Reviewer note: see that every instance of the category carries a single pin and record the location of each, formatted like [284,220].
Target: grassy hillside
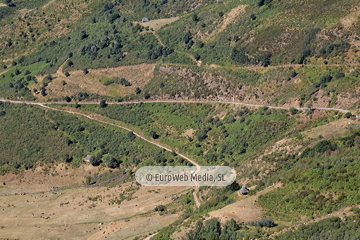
[32,136]
[224,35]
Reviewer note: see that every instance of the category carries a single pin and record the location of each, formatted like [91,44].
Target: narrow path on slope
[177,101]
[197,202]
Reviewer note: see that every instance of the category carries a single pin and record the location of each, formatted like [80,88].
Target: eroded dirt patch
[93,82]
[228,19]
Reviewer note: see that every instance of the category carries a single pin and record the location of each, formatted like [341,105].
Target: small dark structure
[244,190]
[144,20]
[174,198]
[126,220]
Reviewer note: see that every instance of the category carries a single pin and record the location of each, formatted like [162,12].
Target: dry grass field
[86,213]
[159,23]
[44,178]
[245,209]
[137,75]
[331,129]
[229,18]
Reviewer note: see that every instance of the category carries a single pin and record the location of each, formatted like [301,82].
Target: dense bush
[265,222]
[211,229]
[160,208]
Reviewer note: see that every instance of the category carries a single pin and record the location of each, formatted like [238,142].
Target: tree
[293,74]
[16,165]
[201,135]
[263,2]
[160,208]
[348,115]
[252,16]
[124,82]
[67,74]
[234,186]
[83,35]
[103,104]
[95,160]
[2,113]
[43,92]
[221,14]
[70,63]
[154,135]
[67,99]
[146,95]
[85,71]
[265,222]
[293,111]
[325,79]
[339,75]
[196,56]
[195,17]
[303,54]
[239,56]
[111,162]
[264,59]
[137,90]
[113,17]
[131,136]
[67,158]
[187,37]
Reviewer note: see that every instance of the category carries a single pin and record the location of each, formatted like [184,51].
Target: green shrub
[160,208]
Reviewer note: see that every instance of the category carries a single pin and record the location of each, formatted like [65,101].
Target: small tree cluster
[265,222]
[160,208]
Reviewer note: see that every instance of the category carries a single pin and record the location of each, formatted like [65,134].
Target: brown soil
[228,19]
[44,178]
[137,75]
[188,133]
[334,128]
[159,23]
[72,215]
[351,19]
[244,210]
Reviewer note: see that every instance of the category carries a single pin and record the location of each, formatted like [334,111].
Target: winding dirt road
[197,202]
[177,101]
